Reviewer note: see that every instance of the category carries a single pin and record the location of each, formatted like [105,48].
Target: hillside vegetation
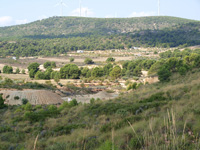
[76,26]
[58,35]
[158,116]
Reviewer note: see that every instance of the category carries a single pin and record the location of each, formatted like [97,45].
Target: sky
[15,12]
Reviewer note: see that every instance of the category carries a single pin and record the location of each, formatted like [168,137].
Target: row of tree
[9,70]
[72,71]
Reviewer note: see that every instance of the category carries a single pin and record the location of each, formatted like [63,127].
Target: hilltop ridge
[80,26]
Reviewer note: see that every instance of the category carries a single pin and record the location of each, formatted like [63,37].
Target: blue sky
[14,12]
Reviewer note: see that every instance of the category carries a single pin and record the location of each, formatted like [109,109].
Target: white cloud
[5,21]
[85,12]
[17,22]
[8,21]
[142,14]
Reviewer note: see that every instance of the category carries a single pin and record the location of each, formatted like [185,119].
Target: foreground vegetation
[158,116]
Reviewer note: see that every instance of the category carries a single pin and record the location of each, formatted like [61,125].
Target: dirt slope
[33,96]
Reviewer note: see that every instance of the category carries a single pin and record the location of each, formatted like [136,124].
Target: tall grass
[167,137]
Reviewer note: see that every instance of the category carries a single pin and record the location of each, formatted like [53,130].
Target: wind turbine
[158,7]
[61,3]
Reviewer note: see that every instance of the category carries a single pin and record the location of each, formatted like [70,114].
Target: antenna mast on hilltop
[158,7]
[61,3]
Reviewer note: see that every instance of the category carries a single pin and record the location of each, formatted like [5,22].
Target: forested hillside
[75,26]
[58,35]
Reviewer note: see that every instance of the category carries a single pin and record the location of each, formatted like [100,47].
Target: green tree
[2,105]
[116,72]
[23,71]
[32,73]
[70,71]
[107,69]
[57,77]
[17,71]
[164,74]
[97,72]
[137,71]
[33,69]
[7,69]
[49,64]
[39,75]
[84,72]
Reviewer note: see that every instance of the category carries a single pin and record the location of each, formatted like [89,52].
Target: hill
[76,26]
[58,35]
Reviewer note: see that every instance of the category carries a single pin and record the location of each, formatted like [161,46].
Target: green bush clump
[42,114]
[2,105]
[16,98]
[155,97]
[24,101]
[88,61]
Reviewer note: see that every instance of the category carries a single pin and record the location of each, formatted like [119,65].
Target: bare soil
[35,97]
[103,95]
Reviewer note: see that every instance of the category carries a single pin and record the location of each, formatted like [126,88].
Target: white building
[80,51]
[14,58]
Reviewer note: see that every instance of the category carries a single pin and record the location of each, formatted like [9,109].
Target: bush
[23,71]
[164,74]
[16,98]
[88,61]
[132,86]
[7,69]
[17,71]
[2,105]
[71,59]
[110,59]
[24,101]
[70,71]
[92,101]
[49,64]
[28,107]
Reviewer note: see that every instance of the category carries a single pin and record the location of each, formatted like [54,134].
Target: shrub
[70,71]
[110,59]
[72,59]
[17,71]
[2,105]
[28,107]
[88,61]
[164,74]
[132,86]
[16,98]
[49,64]
[7,69]
[92,101]
[24,101]
[23,71]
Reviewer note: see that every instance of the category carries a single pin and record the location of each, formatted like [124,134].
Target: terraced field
[35,97]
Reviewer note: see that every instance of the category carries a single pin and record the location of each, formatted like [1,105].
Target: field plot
[35,97]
